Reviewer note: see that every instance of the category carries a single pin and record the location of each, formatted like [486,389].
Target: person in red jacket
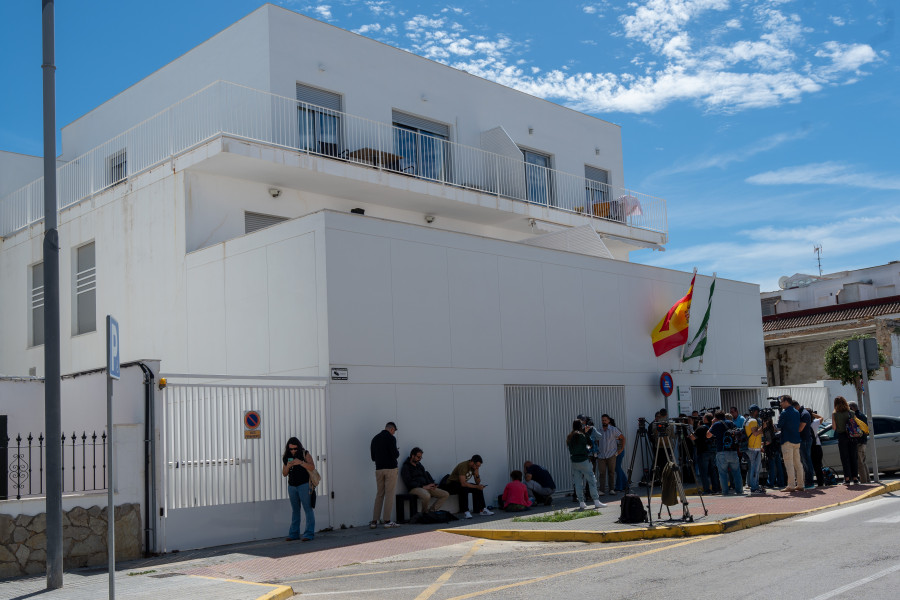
[515,494]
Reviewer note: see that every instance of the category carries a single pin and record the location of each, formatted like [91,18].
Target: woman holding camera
[581,467]
[297,464]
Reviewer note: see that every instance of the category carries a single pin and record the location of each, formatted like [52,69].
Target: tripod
[664,443]
[642,445]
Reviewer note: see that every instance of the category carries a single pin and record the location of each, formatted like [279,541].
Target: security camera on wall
[274,192]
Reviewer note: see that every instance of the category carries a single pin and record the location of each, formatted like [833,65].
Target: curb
[647,533]
[278,592]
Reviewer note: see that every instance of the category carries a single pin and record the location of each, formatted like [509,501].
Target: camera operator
[727,460]
[806,443]
[706,453]
[789,424]
[772,449]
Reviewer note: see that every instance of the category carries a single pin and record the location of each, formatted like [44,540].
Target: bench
[401,502]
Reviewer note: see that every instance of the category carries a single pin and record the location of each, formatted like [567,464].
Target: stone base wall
[23,539]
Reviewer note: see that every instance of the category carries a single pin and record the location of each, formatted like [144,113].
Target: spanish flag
[672,331]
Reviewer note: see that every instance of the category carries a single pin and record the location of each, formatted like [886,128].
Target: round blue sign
[666,384]
[251,419]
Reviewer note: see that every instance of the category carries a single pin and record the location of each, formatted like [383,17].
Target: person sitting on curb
[458,483]
[420,483]
[515,494]
[539,482]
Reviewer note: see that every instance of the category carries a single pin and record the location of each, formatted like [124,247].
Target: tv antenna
[818,250]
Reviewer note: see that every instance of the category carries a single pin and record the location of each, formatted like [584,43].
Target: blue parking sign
[112,348]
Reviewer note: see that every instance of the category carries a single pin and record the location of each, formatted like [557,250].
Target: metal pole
[867,407]
[111,507]
[52,414]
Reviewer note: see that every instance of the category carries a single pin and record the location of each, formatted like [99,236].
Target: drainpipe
[149,462]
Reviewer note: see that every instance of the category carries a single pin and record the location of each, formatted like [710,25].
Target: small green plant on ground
[141,572]
[558,516]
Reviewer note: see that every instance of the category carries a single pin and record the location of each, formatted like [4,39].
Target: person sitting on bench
[458,483]
[419,482]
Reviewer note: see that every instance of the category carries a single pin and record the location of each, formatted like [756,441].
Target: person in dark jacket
[420,483]
[581,468]
[384,452]
[539,482]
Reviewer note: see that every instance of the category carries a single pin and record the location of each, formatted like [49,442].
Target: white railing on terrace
[224,108]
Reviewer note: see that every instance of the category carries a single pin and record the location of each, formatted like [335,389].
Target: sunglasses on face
[293,449]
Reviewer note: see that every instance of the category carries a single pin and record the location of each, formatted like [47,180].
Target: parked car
[887,436]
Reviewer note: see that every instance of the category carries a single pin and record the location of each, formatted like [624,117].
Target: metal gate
[539,417]
[222,481]
[725,398]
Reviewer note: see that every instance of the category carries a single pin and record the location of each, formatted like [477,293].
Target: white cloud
[324,11]
[371,28]
[762,255]
[839,21]
[827,173]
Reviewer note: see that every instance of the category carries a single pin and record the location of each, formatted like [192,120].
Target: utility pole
[52,413]
[818,250]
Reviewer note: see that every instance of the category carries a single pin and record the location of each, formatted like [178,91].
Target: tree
[837,364]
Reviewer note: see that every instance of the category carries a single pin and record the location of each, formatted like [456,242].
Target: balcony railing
[224,108]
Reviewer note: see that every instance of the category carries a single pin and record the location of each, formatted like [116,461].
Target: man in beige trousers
[384,452]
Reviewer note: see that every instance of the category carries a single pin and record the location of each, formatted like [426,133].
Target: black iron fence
[83,464]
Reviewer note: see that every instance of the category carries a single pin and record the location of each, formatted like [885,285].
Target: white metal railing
[224,108]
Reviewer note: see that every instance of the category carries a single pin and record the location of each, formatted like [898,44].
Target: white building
[481,301]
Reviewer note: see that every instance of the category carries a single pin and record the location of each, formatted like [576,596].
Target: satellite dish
[783,282]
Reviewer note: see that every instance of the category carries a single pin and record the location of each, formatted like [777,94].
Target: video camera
[767,414]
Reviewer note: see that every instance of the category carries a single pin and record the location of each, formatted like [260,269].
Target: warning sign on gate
[251,425]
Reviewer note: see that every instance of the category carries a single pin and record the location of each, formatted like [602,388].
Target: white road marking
[410,587]
[842,512]
[894,519]
[857,583]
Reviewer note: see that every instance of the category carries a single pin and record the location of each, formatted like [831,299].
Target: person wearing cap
[384,453]
[753,429]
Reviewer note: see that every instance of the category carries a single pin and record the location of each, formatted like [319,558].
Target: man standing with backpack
[728,438]
[861,444]
[789,425]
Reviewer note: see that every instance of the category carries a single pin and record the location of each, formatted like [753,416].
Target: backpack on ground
[633,510]
[436,516]
[829,476]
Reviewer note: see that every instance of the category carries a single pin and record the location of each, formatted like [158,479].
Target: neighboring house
[810,313]
[290,199]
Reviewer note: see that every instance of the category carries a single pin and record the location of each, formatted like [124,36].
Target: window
[37,305]
[885,425]
[320,120]
[596,185]
[538,178]
[256,221]
[422,145]
[85,307]
[116,167]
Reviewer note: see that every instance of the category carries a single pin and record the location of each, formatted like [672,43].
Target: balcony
[227,109]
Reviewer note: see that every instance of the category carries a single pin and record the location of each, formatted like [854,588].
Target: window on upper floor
[538,178]
[596,185]
[320,120]
[84,308]
[423,146]
[116,167]
[255,221]
[36,314]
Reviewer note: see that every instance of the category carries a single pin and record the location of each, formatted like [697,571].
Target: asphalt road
[847,553]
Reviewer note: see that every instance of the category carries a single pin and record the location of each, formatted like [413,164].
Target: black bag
[436,516]
[633,510]
[444,480]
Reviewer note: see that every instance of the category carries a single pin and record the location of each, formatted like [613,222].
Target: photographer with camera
[706,453]
[727,460]
[789,424]
[772,449]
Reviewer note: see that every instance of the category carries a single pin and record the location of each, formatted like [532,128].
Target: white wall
[432,325]
[239,54]
[17,170]
[138,230]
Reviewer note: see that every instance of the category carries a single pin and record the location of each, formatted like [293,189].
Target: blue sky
[769,126]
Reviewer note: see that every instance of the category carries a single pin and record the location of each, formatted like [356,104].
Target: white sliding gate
[539,417]
[221,486]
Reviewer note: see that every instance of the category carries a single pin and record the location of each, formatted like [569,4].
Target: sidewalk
[254,571]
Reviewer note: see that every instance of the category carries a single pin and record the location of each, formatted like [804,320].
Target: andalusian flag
[697,345]
[672,331]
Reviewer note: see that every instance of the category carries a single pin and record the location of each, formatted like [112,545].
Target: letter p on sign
[112,347]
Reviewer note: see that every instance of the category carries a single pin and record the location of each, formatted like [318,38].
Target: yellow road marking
[578,570]
[371,573]
[431,589]
[608,547]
